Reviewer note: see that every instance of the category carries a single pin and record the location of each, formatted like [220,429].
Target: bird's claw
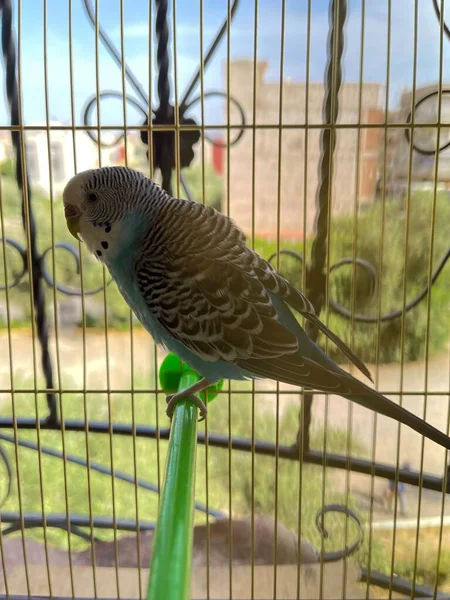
[173,399]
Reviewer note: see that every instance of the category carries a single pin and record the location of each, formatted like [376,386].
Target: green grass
[432,568]
[317,487]
[150,463]
[7,168]
[428,571]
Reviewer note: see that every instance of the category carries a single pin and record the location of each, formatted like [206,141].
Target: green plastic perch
[170,566]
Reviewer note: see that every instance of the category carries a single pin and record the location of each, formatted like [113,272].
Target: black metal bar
[335,461]
[28,220]
[316,279]
[399,585]
[36,520]
[394,314]
[162,57]
[333,80]
[17,526]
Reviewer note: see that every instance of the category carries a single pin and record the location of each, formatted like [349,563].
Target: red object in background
[121,154]
[217,156]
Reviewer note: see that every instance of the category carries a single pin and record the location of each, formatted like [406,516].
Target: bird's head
[96,202]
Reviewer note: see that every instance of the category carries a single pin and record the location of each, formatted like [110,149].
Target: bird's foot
[173,399]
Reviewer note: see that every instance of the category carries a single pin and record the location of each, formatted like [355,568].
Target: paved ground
[389,376]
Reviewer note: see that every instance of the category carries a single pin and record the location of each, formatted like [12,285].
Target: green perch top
[173,369]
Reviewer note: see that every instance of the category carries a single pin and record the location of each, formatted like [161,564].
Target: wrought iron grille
[171,136]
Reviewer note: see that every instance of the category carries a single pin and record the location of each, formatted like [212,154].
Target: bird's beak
[72,215]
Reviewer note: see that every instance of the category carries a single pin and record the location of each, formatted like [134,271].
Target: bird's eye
[92,197]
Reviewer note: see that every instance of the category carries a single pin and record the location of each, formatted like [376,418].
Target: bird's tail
[373,400]
[296,369]
[311,368]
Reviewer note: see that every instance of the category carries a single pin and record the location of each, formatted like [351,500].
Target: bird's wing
[299,370]
[277,284]
[194,289]
[213,310]
[210,291]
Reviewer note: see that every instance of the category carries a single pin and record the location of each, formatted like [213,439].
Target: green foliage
[402,260]
[388,292]
[428,570]
[7,168]
[432,567]
[147,459]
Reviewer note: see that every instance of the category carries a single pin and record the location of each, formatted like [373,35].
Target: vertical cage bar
[278,237]
[132,352]
[228,213]
[356,204]
[83,312]
[404,291]
[201,72]
[446,472]
[253,390]
[302,427]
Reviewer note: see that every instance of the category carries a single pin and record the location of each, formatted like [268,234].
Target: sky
[136,49]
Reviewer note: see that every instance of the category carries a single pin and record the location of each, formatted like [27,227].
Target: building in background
[290,198]
[57,149]
[423,165]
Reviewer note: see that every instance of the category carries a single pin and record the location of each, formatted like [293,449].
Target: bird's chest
[118,245]
[123,270]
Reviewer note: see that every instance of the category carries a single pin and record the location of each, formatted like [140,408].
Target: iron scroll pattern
[162,152]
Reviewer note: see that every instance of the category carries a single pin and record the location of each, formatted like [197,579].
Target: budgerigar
[202,293]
